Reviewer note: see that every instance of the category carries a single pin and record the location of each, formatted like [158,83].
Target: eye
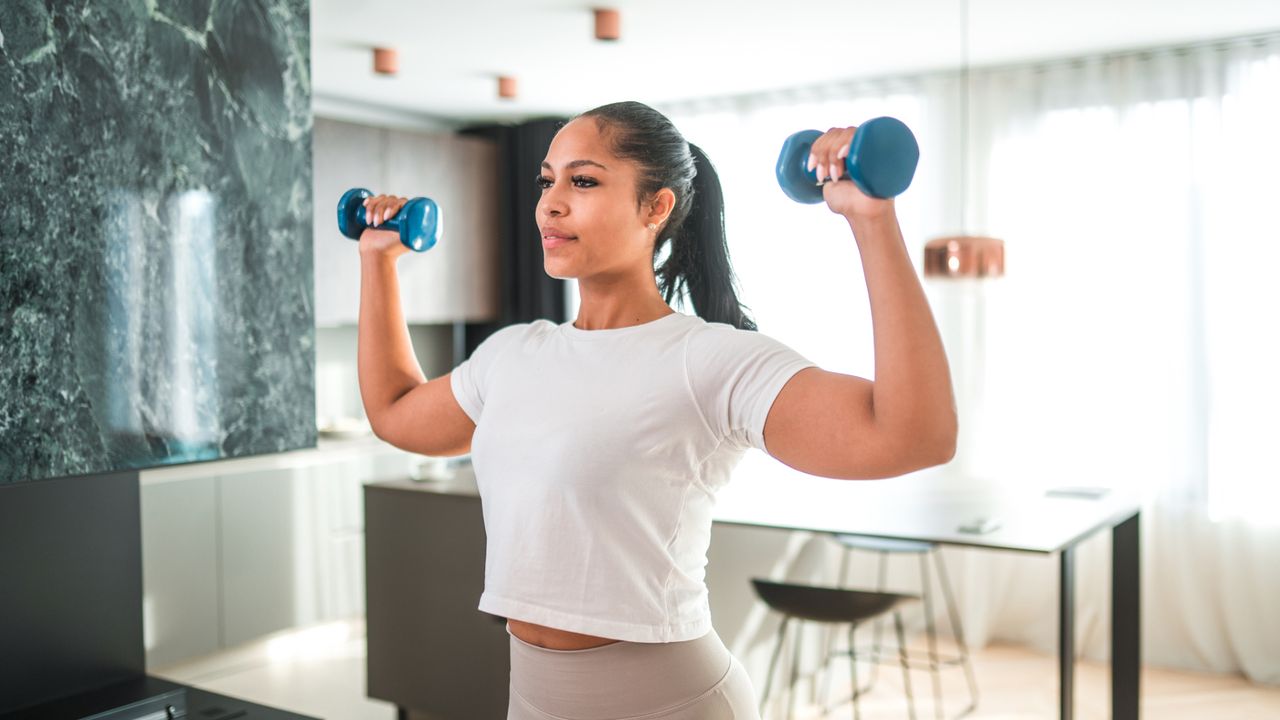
[581,181]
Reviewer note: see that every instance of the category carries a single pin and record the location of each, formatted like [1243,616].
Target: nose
[551,204]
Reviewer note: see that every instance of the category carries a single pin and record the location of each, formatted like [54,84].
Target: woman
[598,445]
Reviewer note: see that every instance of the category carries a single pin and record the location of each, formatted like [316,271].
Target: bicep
[428,420]
[823,423]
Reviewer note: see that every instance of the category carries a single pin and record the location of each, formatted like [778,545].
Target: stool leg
[902,657]
[954,614]
[777,650]
[931,632]
[795,669]
[826,679]
[853,673]
[827,634]
[878,626]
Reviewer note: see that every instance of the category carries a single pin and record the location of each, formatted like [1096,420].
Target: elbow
[944,444]
[377,427]
[380,419]
[937,445]
[948,451]
[919,450]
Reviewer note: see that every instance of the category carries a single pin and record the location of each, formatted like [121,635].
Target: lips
[555,237]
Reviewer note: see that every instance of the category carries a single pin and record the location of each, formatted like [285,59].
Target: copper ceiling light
[608,24]
[964,256]
[386,61]
[506,87]
[968,256]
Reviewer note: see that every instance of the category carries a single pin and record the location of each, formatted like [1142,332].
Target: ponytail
[698,264]
[699,261]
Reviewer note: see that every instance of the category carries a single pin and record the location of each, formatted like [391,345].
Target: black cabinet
[430,651]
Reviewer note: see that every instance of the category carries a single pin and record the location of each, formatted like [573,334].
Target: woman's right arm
[403,407]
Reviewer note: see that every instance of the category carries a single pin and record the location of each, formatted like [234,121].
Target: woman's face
[588,214]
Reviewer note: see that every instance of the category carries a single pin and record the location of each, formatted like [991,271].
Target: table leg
[1126,619]
[1066,634]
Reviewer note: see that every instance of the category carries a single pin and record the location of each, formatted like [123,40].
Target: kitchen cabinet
[345,155]
[239,549]
[179,570]
[267,563]
[455,281]
[431,652]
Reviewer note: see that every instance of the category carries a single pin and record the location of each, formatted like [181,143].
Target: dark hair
[699,260]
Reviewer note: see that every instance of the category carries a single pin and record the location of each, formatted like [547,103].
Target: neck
[608,303]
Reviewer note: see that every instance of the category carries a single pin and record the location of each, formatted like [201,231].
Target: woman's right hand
[377,210]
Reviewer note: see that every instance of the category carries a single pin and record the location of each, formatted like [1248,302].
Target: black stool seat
[825,604]
[925,551]
[829,605]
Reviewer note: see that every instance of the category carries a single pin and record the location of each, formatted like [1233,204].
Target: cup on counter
[433,469]
[343,427]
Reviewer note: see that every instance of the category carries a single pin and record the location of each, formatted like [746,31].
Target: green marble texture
[156,280]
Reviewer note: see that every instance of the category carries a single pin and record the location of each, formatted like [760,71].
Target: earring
[653,227]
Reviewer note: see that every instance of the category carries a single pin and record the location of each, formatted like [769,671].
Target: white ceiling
[451,51]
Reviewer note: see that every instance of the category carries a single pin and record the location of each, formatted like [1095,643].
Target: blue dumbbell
[881,161]
[418,222]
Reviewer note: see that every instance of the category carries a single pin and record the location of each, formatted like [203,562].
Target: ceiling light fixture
[608,24]
[964,255]
[386,61]
[506,87]
[969,256]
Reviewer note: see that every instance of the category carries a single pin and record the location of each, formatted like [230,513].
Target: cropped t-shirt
[598,454]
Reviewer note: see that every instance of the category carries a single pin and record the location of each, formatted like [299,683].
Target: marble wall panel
[156,279]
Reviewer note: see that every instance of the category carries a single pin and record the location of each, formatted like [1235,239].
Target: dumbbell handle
[418,221]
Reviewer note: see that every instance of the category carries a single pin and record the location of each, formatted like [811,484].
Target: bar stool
[835,606]
[924,550]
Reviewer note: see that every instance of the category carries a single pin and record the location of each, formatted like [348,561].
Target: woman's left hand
[826,157]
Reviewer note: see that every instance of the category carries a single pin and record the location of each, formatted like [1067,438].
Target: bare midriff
[555,638]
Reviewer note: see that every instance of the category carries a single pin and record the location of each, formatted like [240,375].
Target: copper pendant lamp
[608,24]
[506,87]
[963,255]
[386,61]
[967,256]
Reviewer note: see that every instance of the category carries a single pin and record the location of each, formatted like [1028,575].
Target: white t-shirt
[598,454]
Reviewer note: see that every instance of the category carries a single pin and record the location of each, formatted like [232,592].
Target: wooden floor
[1016,683]
[320,672]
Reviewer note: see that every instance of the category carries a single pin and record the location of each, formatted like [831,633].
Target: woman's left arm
[847,427]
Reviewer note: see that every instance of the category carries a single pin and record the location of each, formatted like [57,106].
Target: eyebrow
[575,164]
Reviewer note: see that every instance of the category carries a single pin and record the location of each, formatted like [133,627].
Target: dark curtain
[527,292]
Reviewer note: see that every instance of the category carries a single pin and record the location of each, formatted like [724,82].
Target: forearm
[912,393]
[385,361]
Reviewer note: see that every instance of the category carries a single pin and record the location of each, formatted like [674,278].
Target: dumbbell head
[881,161]
[883,157]
[794,176]
[351,212]
[420,224]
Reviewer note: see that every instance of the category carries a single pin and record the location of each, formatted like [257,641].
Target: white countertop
[326,450]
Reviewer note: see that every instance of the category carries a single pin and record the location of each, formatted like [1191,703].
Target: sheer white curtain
[1133,341]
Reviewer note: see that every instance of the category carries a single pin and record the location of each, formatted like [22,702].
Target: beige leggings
[689,680]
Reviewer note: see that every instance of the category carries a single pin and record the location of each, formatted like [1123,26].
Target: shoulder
[518,331]
[506,336]
[717,339]
[719,353]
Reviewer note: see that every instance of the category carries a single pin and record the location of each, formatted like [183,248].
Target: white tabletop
[929,505]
